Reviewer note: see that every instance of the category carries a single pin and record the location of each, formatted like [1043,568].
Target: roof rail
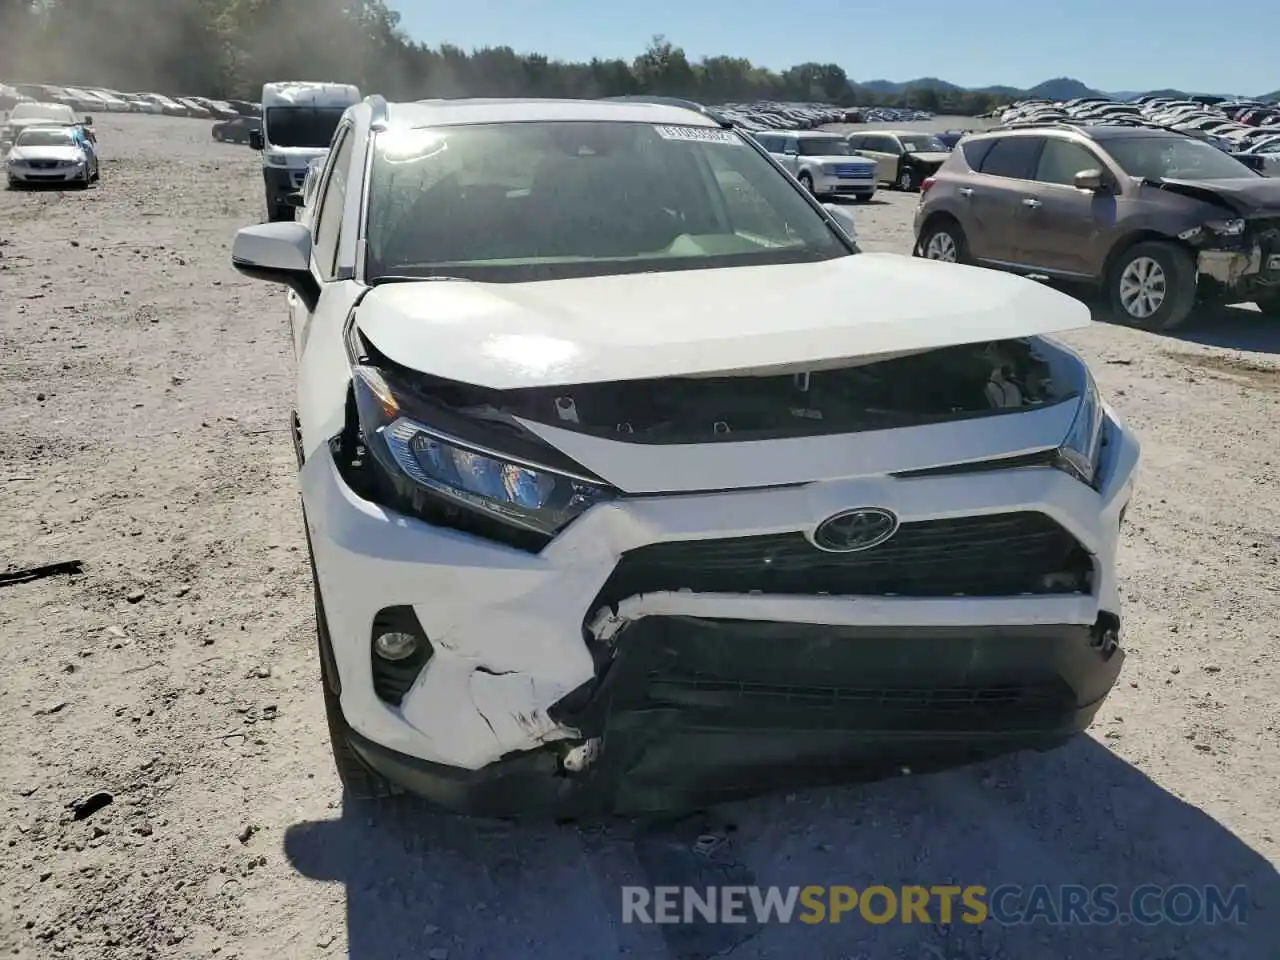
[674,102]
[378,104]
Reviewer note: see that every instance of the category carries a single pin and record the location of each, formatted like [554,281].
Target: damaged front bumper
[1244,267]
[570,682]
[698,710]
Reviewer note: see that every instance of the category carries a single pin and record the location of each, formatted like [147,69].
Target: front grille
[864,707]
[996,555]
[44,164]
[850,172]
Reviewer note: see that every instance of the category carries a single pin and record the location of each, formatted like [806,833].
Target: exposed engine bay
[952,383]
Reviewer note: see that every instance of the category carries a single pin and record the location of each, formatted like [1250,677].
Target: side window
[891,145]
[328,226]
[769,142]
[1061,160]
[975,151]
[1012,157]
[857,142]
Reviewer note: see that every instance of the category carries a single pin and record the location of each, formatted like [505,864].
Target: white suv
[631,485]
[823,162]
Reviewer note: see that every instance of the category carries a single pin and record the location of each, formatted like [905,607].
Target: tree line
[229,48]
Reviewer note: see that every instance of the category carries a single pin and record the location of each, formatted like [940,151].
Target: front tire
[907,181]
[806,181]
[944,241]
[359,782]
[1152,286]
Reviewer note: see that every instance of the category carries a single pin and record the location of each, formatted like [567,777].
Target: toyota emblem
[852,530]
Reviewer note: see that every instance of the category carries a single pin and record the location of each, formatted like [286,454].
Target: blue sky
[1109,44]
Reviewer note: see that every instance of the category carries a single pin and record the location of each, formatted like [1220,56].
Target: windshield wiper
[395,278]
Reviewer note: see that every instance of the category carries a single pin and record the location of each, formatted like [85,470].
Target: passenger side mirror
[1090,180]
[278,253]
[844,219]
[255,140]
[294,199]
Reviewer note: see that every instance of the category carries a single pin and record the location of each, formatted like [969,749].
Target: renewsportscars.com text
[1007,904]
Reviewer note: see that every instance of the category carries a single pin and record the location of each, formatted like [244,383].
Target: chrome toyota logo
[852,530]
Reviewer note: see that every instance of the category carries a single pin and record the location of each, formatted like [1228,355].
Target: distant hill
[1059,88]
[890,86]
[1062,88]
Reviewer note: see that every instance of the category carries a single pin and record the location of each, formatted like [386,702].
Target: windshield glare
[923,144]
[45,138]
[1178,159]
[825,147]
[302,126]
[550,200]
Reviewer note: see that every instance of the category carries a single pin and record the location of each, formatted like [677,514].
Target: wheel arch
[934,219]
[1131,240]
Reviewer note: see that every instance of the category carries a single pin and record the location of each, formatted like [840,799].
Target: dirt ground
[144,389]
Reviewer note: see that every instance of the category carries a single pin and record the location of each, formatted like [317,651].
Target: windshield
[550,200]
[825,147]
[302,126]
[922,143]
[41,111]
[1176,158]
[45,138]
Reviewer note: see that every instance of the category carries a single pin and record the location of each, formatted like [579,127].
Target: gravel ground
[144,388]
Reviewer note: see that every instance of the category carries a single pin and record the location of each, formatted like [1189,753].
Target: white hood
[703,322]
[836,158]
[69,154]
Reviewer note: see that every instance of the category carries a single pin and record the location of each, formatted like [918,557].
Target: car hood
[46,153]
[703,322]
[21,122]
[1249,196]
[930,156]
[842,159]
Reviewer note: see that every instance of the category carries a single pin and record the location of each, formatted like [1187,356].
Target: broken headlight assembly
[1081,449]
[447,480]
[1226,228]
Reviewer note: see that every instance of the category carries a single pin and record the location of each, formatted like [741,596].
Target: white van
[298,121]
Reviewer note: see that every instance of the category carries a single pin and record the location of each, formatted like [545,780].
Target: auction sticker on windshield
[698,134]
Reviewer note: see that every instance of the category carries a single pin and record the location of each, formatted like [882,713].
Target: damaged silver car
[1159,221]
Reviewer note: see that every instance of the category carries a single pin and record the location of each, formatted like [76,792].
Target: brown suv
[1158,220]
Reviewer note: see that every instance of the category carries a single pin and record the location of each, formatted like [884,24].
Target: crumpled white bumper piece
[507,627]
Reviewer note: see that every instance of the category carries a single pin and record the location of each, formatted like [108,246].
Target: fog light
[395,646]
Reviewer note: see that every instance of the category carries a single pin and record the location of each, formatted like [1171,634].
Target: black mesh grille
[988,556]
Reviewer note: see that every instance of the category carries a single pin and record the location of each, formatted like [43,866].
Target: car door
[325,231]
[791,154]
[1270,153]
[875,147]
[995,198]
[1061,224]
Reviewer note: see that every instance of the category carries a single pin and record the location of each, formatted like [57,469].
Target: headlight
[445,479]
[1082,447]
[277,161]
[829,169]
[1226,228]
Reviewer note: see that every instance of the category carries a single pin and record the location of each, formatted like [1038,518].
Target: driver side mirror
[278,253]
[88,121]
[1090,180]
[844,219]
[255,140]
[294,199]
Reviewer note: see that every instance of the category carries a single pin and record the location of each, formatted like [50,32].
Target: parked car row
[768,115]
[1158,220]
[105,100]
[1247,129]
